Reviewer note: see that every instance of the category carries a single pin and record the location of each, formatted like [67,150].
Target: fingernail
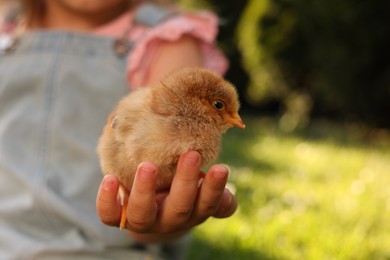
[108,183]
[220,171]
[191,159]
[147,173]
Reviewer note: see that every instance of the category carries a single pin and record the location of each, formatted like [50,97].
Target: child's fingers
[210,193]
[107,205]
[227,205]
[179,204]
[142,206]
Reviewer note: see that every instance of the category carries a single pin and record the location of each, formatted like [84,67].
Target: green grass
[318,193]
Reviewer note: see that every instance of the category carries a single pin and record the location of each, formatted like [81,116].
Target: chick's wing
[114,146]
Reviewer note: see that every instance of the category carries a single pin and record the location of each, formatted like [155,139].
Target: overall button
[7,43]
[122,46]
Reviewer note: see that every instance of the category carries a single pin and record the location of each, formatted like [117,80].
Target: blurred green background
[301,59]
[318,193]
[311,170]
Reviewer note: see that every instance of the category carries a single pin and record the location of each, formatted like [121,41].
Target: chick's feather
[161,122]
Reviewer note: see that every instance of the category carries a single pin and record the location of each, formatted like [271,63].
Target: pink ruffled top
[203,26]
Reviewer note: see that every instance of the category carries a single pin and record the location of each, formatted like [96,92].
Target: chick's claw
[124,198]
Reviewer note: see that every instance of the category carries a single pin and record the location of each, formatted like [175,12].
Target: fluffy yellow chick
[188,110]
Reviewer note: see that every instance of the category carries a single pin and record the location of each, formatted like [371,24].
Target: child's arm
[183,40]
[174,55]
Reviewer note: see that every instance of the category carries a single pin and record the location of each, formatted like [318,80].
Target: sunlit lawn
[318,193]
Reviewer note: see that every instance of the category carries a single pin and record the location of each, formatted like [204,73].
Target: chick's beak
[235,120]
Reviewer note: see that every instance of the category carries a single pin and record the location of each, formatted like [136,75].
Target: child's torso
[56,91]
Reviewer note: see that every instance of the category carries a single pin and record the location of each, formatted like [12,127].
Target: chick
[188,110]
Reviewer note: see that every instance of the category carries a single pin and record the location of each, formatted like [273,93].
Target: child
[64,64]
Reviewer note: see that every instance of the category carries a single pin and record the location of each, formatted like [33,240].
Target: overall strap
[149,15]
[10,25]
[152,14]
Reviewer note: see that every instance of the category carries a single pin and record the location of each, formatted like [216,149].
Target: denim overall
[56,91]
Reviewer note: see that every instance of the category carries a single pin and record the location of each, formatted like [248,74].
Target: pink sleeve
[203,26]
[7,26]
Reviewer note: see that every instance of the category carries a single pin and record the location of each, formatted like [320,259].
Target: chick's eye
[218,105]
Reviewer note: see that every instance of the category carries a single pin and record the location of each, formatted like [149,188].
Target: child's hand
[155,217]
